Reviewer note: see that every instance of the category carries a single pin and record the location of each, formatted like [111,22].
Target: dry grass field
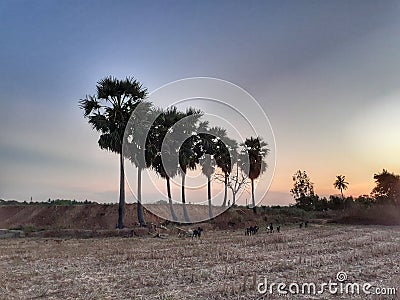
[220,265]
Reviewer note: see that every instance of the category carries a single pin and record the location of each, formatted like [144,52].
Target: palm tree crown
[340,183]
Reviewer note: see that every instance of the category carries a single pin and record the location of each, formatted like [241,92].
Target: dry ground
[221,265]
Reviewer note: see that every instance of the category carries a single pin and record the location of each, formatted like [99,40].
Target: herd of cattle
[270,228]
[196,233]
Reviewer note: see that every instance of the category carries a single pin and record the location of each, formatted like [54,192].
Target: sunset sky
[326,73]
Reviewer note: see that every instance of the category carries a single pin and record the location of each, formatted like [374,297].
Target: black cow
[197,232]
[270,228]
[251,230]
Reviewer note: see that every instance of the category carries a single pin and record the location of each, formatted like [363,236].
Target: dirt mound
[91,216]
[104,217]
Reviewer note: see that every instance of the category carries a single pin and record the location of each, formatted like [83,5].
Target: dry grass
[222,265]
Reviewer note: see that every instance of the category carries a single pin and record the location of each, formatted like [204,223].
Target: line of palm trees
[169,141]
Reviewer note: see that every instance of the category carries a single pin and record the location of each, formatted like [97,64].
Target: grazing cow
[197,232]
[270,228]
[301,225]
[278,228]
[251,230]
[305,224]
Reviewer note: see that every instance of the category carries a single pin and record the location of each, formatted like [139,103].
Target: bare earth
[221,265]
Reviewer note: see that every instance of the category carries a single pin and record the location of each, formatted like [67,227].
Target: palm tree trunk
[139,197]
[343,202]
[121,205]
[252,197]
[171,207]
[226,190]
[185,213]
[210,213]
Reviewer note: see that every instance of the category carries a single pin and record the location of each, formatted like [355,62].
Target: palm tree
[255,149]
[207,151]
[226,158]
[163,161]
[138,133]
[188,153]
[108,112]
[341,184]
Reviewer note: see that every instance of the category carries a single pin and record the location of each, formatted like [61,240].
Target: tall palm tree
[207,151]
[226,158]
[341,184]
[108,112]
[188,153]
[254,152]
[187,161]
[163,161]
[138,133]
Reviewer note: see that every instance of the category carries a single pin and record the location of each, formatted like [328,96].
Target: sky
[326,73]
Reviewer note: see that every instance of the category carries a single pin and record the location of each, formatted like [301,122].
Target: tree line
[64,202]
[143,134]
[386,191]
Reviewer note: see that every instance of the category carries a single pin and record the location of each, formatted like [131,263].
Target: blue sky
[325,72]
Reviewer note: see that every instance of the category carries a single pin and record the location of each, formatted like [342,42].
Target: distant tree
[387,189]
[337,202]
[303,191]
[348,202]
[302,185]
[309,203]
[321,204]
[256,150]
[108,112]
[364,200]
[341,184]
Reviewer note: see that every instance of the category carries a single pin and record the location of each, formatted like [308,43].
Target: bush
[373,215]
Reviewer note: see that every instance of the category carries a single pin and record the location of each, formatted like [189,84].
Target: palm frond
[89,104]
